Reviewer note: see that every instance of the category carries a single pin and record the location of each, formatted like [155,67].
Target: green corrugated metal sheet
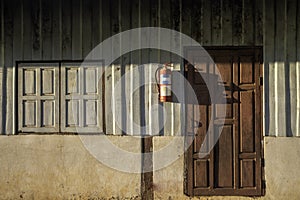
[65,29]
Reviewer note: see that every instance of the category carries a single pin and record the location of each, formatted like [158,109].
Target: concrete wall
[59,167]
[282,157]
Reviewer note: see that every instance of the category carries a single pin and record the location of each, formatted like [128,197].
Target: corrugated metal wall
[69,29]
[282,69]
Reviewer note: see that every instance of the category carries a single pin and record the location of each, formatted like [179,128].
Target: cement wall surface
[59,167]
[282,174]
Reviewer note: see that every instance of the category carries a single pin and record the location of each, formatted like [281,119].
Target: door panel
[30,114]
[38,97]
[201,173]
[223,159]
[233,166]
[247,132]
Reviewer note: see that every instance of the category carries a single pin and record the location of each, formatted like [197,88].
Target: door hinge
[261,81]
[263,162]
[263,184]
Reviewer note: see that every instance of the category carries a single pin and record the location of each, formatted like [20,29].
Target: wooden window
[38,97]
[234,165]
[60,97]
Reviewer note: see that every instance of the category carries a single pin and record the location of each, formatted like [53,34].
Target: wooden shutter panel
[60,98]
[81,98]
[234,166]
[38,96]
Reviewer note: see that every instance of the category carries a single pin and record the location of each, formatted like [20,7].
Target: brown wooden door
[234,165]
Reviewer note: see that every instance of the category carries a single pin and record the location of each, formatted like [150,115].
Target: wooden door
[38,97]
[234,165]
[81,98]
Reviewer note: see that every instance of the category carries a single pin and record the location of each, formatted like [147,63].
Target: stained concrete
[59,167]
[282,169]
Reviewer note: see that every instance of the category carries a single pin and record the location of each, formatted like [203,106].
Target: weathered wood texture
[68,30]
[233,166]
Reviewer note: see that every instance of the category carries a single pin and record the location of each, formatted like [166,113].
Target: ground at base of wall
[204,198]
[82,197]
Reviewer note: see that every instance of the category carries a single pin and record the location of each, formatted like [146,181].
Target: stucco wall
[282,157]
[59,167]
